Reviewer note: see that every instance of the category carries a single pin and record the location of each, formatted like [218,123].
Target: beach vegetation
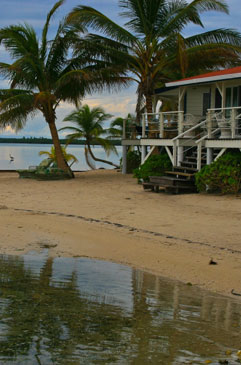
[133,161]
[155,165]
[221,176]
[152,46]
[51,155]
[88,125]
[45,73]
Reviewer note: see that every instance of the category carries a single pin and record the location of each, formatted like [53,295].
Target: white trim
[204,79]
[148,155]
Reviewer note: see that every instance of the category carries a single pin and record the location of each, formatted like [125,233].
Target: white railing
[162,124]
[187,142]
[167,124]
[227,120]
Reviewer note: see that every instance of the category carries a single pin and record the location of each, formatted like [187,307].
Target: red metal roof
[227,71]
[221,75]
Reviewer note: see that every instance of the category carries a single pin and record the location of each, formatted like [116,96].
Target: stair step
[185,169]
[189,163]
[178,173]
[174,181]
[193,158]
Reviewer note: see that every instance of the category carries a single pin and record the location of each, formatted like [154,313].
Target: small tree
[52,155]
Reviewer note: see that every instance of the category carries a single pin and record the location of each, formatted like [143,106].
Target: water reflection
[81,311]
[26,155]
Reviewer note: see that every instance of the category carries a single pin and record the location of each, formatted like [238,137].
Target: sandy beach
[106,215]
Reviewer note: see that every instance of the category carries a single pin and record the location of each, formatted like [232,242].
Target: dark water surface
[82,311]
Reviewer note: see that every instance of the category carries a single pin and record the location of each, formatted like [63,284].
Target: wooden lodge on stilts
[206,123]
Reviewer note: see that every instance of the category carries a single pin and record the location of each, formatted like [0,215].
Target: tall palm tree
[88,125]
[44,74]
[151,44]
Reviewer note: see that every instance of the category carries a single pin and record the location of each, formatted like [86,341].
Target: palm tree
[116,126]
[151,44]
[88,125]
[43,75]
[52,155]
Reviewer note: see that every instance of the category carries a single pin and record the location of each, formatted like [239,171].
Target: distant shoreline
[42,140]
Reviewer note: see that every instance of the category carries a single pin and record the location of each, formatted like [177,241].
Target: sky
[118,104]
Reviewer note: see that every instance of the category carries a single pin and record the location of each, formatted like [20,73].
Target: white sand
[171,235]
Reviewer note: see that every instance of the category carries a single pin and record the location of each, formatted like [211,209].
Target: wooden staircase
[181,179]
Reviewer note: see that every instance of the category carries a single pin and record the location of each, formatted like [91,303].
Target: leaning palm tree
[88,125]
[51,155]
[45,73]
[151,44]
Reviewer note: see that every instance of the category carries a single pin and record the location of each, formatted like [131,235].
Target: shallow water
[82,311]
[26,155]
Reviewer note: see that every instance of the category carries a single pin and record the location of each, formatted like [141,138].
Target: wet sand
[106,215]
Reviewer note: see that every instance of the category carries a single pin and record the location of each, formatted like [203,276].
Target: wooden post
[174,153]
[179,155]
[233,122]
[124,129]
[161,120]
[209,124]
[124,159]
[143,154]
[199,156]
[209,156]
[180,121]
[143,126]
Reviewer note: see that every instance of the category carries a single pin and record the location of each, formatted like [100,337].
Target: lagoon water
[26,155]
[83,311]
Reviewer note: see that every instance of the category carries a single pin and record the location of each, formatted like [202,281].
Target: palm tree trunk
[99,159]
[62,164]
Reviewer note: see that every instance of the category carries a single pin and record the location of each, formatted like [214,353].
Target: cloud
[8,130]
[118,104]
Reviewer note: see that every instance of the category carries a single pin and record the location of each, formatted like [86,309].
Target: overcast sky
[34,12]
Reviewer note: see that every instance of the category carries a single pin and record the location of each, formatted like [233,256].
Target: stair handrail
[199,147]
[174,140]
[207,135]
[189,130]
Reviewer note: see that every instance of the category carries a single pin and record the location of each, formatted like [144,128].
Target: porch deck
[179,133]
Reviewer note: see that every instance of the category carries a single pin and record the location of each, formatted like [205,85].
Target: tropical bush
[155,165]
[51,156]
[221,176]
[133,161]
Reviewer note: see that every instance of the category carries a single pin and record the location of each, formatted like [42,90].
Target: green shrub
[155,165]
[133,161]
[221,176]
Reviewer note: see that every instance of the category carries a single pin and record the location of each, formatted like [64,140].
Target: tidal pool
[82,311]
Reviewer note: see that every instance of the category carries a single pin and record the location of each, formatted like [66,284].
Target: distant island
[43,140]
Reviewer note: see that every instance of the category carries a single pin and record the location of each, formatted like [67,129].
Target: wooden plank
[179,173]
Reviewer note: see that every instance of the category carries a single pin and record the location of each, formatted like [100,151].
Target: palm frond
[46,27]
[94,19]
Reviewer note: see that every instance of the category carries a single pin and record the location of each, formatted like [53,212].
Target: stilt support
[124,159]
[179,155]
[143,154]
[209,156]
